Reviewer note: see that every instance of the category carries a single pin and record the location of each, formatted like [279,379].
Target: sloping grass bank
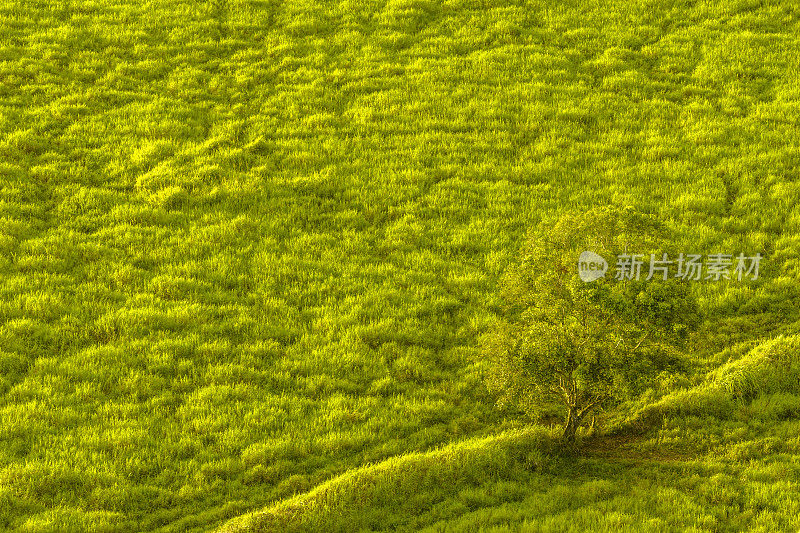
[389,494]
[711,458]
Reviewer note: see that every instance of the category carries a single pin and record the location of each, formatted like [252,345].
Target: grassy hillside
[715,457]
[249,246]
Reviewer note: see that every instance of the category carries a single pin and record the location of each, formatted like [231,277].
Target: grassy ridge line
[349,501]
[413,482]
[770,367]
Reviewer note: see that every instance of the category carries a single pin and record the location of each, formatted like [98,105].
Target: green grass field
[248,250]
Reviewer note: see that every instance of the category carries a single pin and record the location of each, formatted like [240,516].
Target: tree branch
[587,407]
[641,341]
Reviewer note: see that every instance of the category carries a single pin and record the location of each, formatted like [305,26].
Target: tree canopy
[583,345]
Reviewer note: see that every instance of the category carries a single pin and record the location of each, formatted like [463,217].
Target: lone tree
[577,345]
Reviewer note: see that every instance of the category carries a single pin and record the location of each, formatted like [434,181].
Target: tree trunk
[571,425]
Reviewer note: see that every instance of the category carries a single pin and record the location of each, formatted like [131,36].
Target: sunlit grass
[249,246]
